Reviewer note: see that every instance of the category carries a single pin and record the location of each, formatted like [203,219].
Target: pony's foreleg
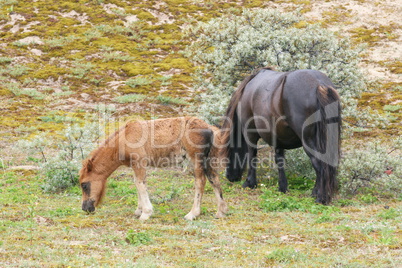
[199,182]
[280,162]
[222,207]
[251,180]
[143,199]
[138,211]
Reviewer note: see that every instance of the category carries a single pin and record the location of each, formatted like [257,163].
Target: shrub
[365,167]
[60,174]
[232,46]
[361,168]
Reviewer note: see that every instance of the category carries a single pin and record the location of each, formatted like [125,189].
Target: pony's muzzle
[88,205]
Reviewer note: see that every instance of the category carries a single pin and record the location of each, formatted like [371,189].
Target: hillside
[61,60]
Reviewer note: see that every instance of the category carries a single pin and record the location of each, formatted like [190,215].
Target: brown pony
[158,143]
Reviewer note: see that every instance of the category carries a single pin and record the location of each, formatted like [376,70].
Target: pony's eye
[86,187]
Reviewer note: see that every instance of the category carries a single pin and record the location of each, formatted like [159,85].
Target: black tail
[233,139]
[236,152]
[209,155]
[328,136]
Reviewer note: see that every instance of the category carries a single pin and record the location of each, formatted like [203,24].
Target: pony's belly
[169,160]
[281,137]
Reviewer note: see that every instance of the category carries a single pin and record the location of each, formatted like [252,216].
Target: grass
[38,229]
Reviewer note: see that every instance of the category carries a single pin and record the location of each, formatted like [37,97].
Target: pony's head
[92,185]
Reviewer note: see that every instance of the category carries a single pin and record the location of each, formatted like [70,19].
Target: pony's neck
[106,161]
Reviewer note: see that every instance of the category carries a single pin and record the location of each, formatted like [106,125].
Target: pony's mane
[231,110]
[88,163]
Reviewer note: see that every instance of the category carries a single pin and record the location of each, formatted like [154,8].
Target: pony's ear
[89,165]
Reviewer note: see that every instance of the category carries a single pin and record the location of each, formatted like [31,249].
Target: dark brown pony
[160,143]
[287,110]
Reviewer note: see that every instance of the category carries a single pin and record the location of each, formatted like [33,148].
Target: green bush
[232,46]
[364,167]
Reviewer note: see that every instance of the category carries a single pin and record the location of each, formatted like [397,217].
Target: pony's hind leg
[222,206]
[144,204]
[319,191]
[280,163]
[199,183]
[323,189]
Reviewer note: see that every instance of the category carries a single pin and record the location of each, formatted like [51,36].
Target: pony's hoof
[219,215]
[190,217]
[247,184]
[321,201]
[144,217]
[138,212]
[223,208]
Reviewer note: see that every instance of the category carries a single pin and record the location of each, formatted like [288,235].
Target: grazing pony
[287,110]
[159,143]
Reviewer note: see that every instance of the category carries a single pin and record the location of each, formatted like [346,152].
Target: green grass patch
[138,238]
[390,213]
[273,200]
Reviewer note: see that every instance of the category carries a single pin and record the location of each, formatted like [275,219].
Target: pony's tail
[232,136]
[236,152]
[329,141]
[209,155]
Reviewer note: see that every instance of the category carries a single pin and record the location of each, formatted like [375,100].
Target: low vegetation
[263,227]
